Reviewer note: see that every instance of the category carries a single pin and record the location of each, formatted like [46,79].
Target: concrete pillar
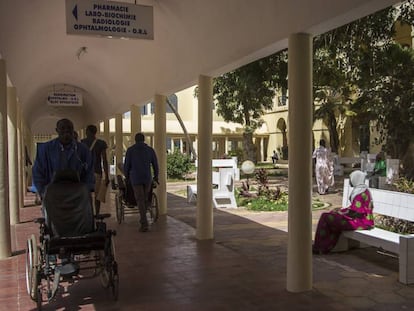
[106,135]
[119,143]
[172,146]
[28,143]
[81,134]
[135,122]
[98,127]
[13,155]
[160,147]
[262,158]
[258,144]
[226,145]
[5,236]
[299,257]
[204,220]
[221,146]
[21,157]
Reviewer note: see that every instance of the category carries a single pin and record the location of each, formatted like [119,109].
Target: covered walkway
[193,42]
[243,268]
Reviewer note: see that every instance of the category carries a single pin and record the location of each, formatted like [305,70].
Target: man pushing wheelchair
[71,237]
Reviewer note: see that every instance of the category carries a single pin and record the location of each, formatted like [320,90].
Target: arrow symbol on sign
[75,12]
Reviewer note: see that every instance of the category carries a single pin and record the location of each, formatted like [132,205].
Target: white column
[135,122]
[262,158]
[172,146]
[226,145]
[106,137]
[204,221]
[195,144]
[106,134]
[299,257]
[119,143]
[13,155]
[160,147]
[29,144]
[5,236]
[21,156]
[81,134]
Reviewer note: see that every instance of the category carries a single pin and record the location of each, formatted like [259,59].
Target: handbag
[103,190]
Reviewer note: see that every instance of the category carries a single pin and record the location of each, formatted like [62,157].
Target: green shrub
[262,203]
[265,198]
[405,185]
[178,164]
[237,153]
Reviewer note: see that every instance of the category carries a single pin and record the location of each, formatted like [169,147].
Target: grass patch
[263,204]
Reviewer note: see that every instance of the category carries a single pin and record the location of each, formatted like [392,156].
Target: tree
[187,136]
[243,95]
[361,72]
[331,92]
[389,96]
[342,60]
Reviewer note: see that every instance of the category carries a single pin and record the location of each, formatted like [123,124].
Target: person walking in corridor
[62,153]
[98,148]
[140,169]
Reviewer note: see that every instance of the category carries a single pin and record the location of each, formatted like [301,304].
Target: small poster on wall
[64,98]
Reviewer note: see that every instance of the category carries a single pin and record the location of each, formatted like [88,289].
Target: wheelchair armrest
[102,216]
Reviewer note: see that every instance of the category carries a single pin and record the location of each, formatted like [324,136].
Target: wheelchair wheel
[119,208]
[104,276]
[153,208]
[107,259]
[115,280]
[32,275]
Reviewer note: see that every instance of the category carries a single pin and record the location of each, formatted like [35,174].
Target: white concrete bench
[223,181]
[349,160]
[389,203]
[341,162]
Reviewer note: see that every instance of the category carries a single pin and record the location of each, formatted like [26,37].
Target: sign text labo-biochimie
[110,19]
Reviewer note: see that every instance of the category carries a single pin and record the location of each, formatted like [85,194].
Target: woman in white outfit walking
[323,167]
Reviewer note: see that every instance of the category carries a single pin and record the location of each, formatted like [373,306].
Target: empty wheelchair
[125,202]
[71,240]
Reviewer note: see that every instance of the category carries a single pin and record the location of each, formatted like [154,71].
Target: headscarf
[357,179]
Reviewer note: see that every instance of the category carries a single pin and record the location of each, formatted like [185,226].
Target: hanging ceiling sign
[64,98]
[109,19]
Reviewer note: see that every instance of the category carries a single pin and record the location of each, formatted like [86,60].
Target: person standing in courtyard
[275,157]
[323,167]
[141,169]
[98,149]
[380,169]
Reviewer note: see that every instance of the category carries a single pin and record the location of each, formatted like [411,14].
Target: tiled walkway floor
[243,268]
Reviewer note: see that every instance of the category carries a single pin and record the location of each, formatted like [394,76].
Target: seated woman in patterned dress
[358,216]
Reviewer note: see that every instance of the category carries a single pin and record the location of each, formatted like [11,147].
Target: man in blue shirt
[63,152]
[139,159]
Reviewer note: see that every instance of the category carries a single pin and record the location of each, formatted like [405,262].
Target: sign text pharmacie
[109,19]
[64,98]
